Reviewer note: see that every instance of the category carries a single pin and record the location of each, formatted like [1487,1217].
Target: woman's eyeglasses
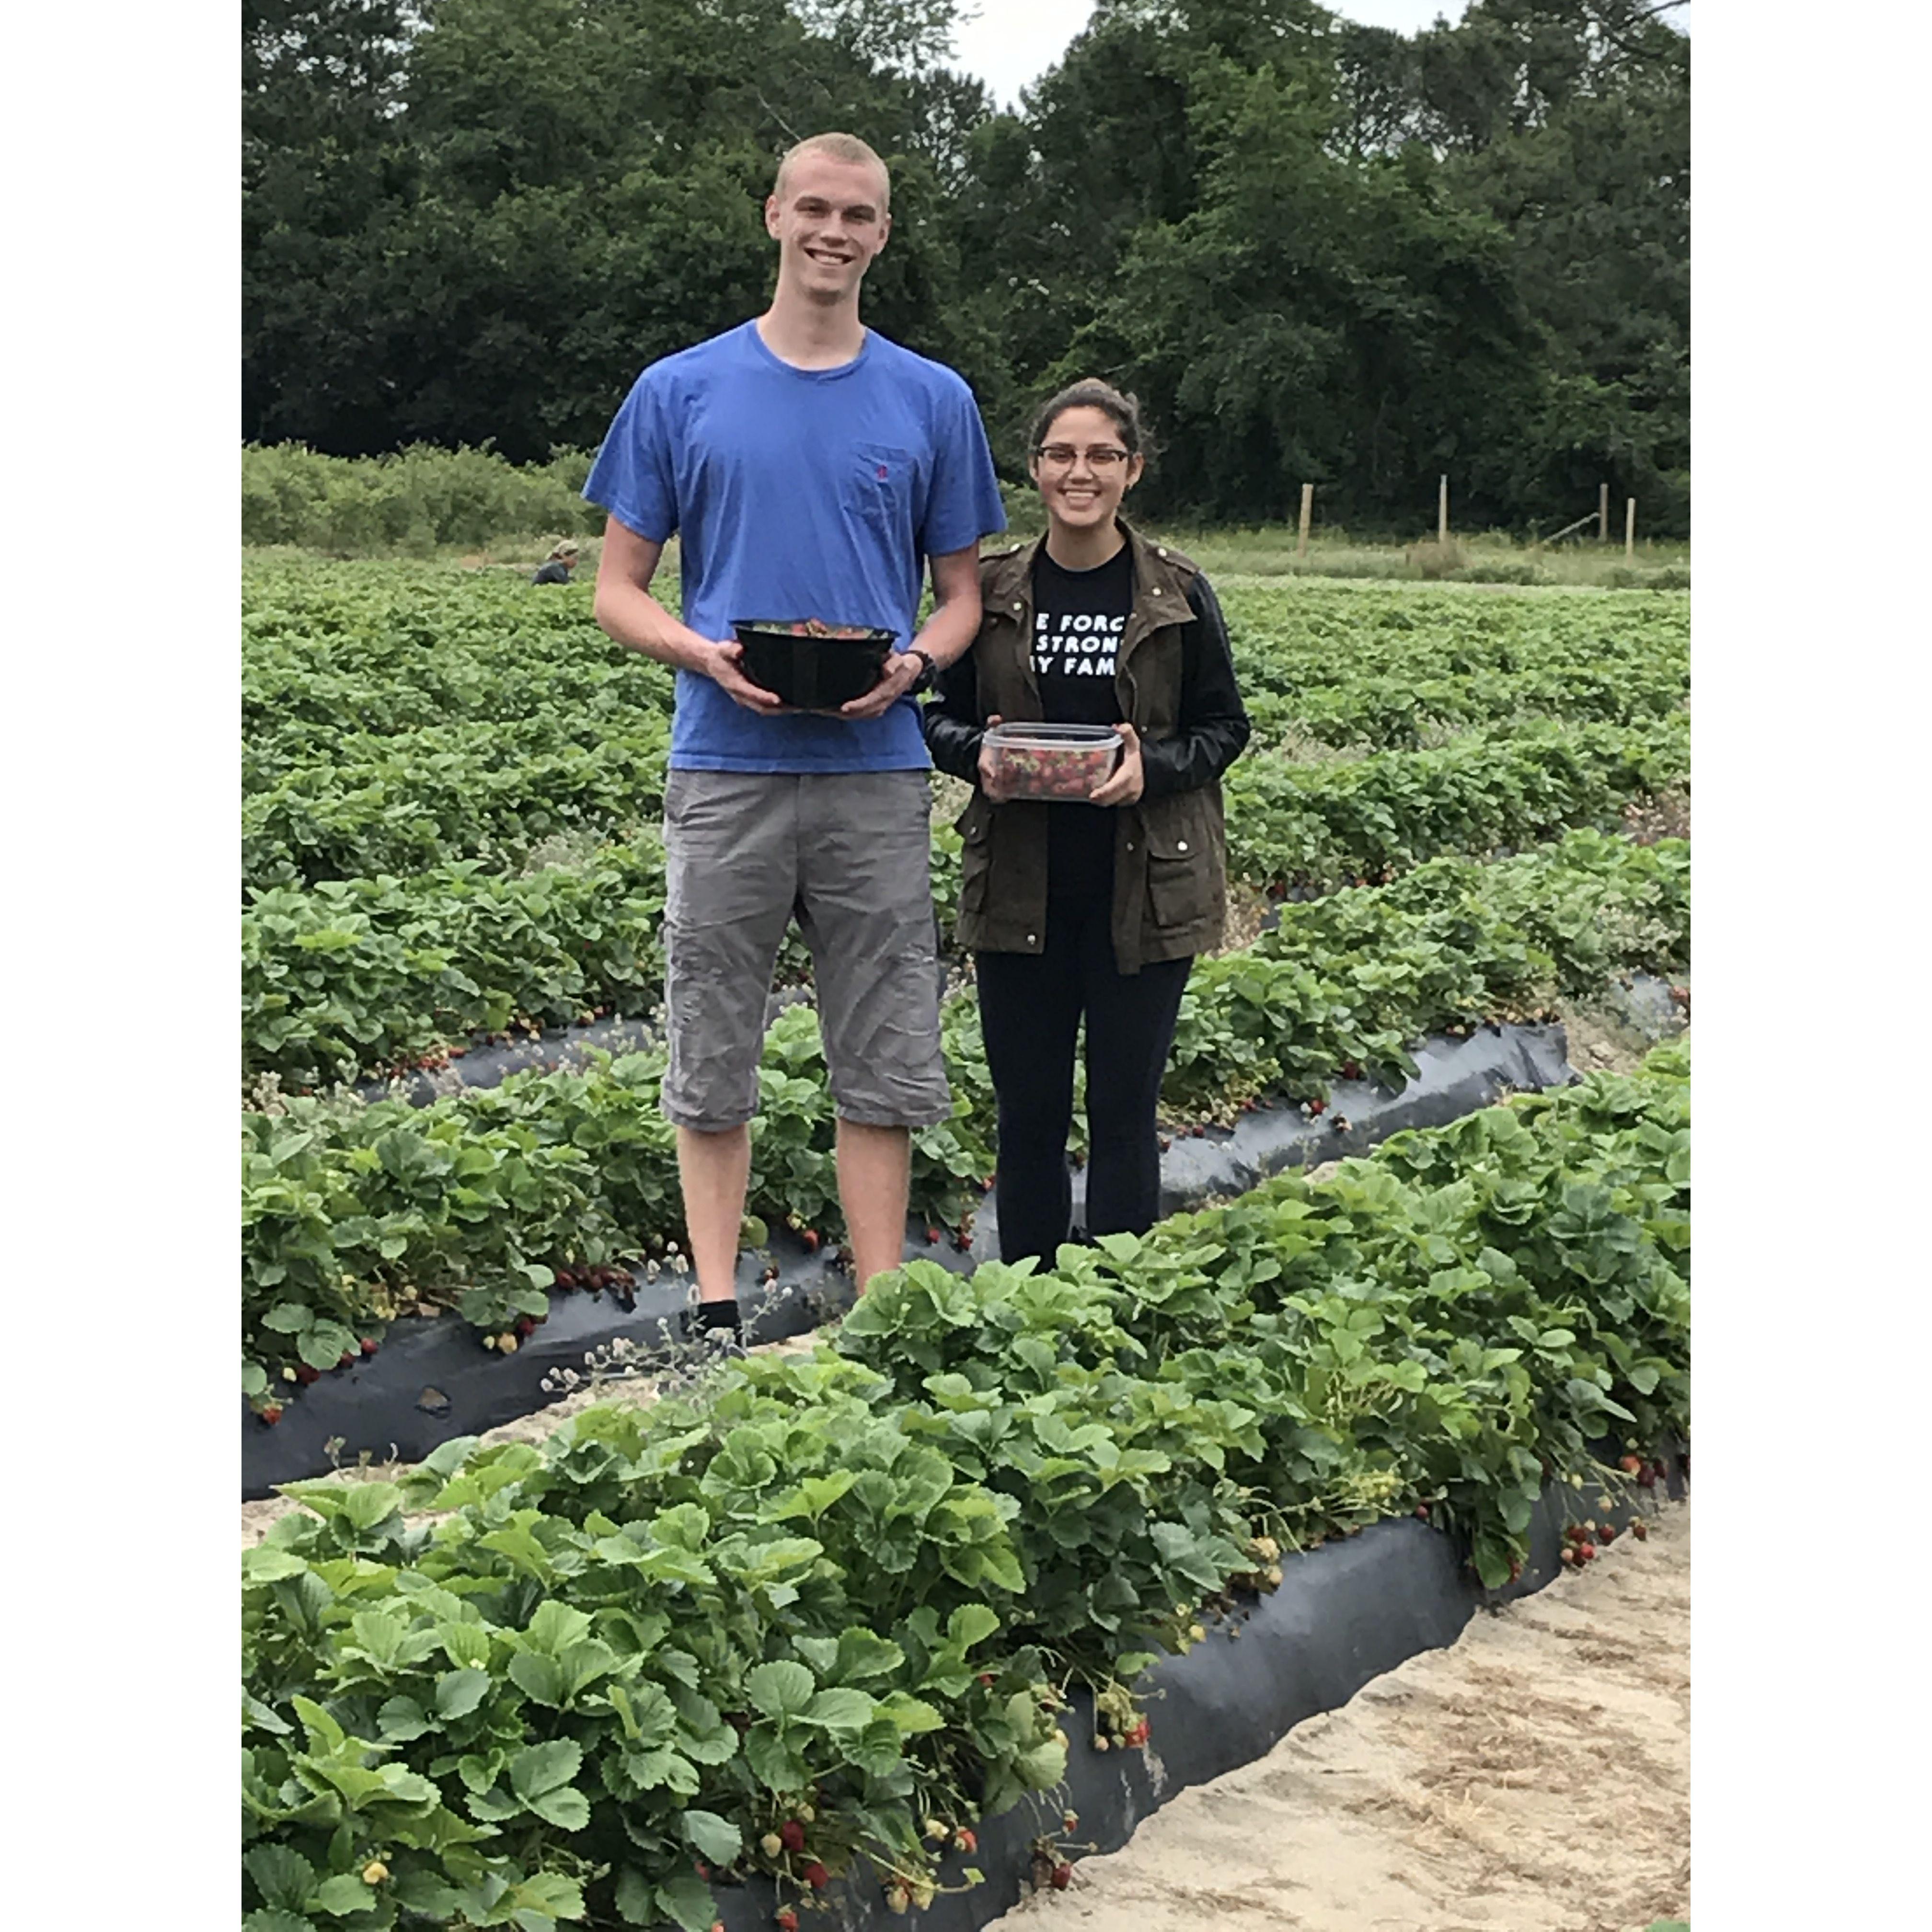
[1061,456]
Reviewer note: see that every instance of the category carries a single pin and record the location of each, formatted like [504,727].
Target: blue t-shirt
[795,493]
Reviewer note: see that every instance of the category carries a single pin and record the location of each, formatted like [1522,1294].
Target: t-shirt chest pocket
[880,485]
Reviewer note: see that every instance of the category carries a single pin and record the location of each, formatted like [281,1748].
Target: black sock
[709,1314]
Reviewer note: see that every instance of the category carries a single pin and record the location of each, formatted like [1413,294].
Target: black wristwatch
[928,671]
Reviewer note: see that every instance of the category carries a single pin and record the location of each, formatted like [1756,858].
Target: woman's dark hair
[1091,393]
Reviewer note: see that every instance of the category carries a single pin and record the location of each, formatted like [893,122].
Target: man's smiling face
[829,218]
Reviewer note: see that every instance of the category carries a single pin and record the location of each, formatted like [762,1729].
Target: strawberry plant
[822,1609]
[361,1212]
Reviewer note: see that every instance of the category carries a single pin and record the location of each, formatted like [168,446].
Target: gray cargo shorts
[847,853]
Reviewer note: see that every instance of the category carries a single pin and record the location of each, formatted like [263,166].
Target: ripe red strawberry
[1631,1466]
[368,1344]
[932,1238]
[964,1840]
[787,1920]
[985,1677]
[1516,1568]
[1063,1876]
[791,1835]
[703,1870]
[347,1356]
[816,1876]
[1351,1070]
[565,1278]
[1422,1510]
[304,1373]
[1317,1106]
[527,1325]
[272,1414]
[809,1236]
[1641,1531]
[1605,1534]
[1586,1551]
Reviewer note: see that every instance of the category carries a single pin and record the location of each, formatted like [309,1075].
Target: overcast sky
[1016,41]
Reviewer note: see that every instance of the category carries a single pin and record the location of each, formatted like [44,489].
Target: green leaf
[459,1692]
[974,1623]
[345,1894]
[557,1626]
[863,1653]
[712,1836]
[366,1504]
[466,1646]
[401,1718]
[637,1898]
[275,1920]
[687,1899]
[543,1897]
[821,1653]
[781,1690]
[878,1749]
[773,1763]
[538,1677]
[265,1563]
[262,1717]
[911,1714]
[568,1810]
[840,1710]
[284,1876]
[542,1768]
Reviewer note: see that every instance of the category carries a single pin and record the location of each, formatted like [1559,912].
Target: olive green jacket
[1175,677]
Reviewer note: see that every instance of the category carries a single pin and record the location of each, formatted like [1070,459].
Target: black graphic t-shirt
[1078,617]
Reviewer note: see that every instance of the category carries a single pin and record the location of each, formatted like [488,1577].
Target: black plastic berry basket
[814,674]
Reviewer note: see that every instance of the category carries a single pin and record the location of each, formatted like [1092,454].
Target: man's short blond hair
[840,147]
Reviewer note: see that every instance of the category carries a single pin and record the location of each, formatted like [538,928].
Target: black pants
[1030,1009]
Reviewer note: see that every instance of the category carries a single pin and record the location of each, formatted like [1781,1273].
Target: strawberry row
[350,976]
[1315,827]
[403,812]
[352,1214]
[815,1622]
[1302,636]
[336,649]
[1387,713]
[405,804]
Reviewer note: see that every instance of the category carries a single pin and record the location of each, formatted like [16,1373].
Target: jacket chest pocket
[879,485]
[1180,881]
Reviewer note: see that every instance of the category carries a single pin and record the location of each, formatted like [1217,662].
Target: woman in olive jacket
[1094,908]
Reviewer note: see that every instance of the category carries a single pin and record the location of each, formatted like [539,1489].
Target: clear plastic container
[1049,761]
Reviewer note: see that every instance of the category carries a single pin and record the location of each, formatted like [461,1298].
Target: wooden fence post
[1307,510]
[1603,513]
[1629,529]
[1442,512]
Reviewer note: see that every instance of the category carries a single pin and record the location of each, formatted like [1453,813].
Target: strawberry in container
[1049,761]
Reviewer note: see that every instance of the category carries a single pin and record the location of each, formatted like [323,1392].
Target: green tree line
[1319,252]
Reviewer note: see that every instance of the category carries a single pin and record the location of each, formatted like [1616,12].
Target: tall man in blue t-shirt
[810,468]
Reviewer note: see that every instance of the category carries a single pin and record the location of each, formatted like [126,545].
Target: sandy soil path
[1533,1777]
